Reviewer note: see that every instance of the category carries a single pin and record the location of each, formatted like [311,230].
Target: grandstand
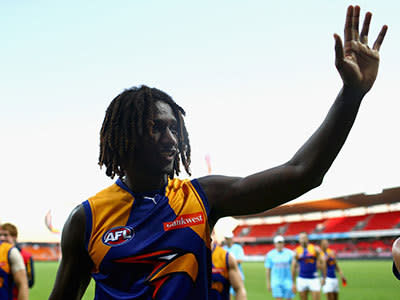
[364,226]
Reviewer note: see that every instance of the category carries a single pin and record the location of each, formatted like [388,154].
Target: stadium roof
[388,196]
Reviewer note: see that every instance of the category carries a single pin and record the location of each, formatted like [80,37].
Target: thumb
[339,53]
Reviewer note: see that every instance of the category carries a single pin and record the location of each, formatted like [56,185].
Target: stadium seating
[294,228]
[383,221]
[264,230]
[342,224]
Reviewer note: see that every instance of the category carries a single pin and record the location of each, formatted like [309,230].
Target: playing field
[367,280]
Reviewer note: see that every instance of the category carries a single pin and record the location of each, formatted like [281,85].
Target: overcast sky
[255,77]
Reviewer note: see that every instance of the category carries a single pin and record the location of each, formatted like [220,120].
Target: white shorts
[308,284]
[331,285]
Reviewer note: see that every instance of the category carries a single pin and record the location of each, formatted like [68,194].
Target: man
[225,275]
[148,235]
[309,259]
[331,287]
[12,270]
[277,265]
[10,234]
[237,251]
[396,258]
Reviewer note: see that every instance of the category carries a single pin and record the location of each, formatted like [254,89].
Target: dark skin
[149,168]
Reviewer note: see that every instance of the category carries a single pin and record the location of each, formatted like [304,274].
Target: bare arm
[268,276]
[339,270]
[73,274]
[294,273]
[21,282]
[18,272]
[321,262]
[236,279]
[358,67]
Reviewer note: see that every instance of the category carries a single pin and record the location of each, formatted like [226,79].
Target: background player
[12,270]
[237,251]
[277,264]
[143,141]
[10,233]
[309,259]
[396,258]
[331,286]
[225,275]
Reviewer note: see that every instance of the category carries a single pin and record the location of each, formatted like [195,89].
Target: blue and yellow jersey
[6,283]
[330,258]
[307,259]
[220,274]
[152,245]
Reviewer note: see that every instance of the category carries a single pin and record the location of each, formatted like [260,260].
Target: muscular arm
[19,274]
[294,272]
[236,279]
[73,274]
[358,66]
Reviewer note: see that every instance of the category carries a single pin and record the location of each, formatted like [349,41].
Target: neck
[145,183]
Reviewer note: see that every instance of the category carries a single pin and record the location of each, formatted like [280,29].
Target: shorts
[308,284]
[282,291]
[331,285]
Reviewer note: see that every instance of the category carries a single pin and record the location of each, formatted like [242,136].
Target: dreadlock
[127,120]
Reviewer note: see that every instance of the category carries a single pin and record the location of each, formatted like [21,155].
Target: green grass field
[367,280]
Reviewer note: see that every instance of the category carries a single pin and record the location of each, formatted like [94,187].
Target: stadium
[255,79]
[361,229]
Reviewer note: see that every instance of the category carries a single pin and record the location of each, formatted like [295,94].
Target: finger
[379,39]
[365,28]
[339,52]
[355,23]
[347,27]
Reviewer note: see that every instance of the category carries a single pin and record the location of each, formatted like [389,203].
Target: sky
[256,78]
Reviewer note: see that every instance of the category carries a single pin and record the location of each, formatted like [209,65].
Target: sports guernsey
[330,259]
[307,258]
[152,245]
[220,274]
[6,282]
[280,263]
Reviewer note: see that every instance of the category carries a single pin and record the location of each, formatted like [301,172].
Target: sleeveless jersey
[330,259]
[220,274]
[307,260]
[152,245]
[6,282]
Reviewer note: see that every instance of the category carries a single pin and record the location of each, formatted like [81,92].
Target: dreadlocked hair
[127,120]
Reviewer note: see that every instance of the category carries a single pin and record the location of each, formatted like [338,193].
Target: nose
[169,137]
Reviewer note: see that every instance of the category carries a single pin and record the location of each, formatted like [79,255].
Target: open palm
[356,62]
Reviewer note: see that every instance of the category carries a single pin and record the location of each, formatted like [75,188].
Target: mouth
[169,153]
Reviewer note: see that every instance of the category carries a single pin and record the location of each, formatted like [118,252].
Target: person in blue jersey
[147,236]
[12,270]
[331,286]
[225,274]
[238,253]
[308,259]
[396,258]
[278,264]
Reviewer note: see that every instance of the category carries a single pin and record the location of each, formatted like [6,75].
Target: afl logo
[118,235]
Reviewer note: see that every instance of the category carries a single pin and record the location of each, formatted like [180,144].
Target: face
[324,244]
[6,237]
[279,246]
[158,151]
[303,239]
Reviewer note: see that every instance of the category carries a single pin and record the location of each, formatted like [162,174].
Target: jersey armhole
[88,223]
[227,260]
[202,195]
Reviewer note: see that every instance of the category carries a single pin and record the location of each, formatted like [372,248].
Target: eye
[174,129]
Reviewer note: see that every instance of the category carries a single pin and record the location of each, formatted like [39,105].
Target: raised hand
[356,62]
